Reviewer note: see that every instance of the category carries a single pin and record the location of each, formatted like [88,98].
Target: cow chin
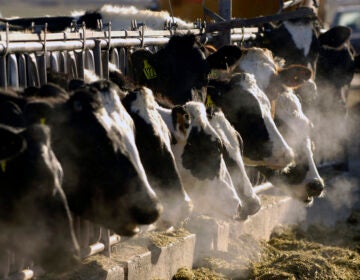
[128,229]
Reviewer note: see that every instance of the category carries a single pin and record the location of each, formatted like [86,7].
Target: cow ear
[141,66]
[11,144]
[294,75]
[335,37]
[357,63]
[224,58]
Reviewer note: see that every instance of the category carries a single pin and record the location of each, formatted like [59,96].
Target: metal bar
[263,187]
[22,70]
[13,72]
[225,11]
[3,72]
[222,26]
[98,59]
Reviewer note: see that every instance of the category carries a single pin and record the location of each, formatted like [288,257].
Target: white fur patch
[114,116]
[197,112]
[121,16]
[260,63]
[301,34]
[228,135]
[145,105]
[289,110]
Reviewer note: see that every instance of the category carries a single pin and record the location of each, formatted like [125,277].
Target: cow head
[301,180]
[153,140]
[178,71]
[199,156]
[248,110]
[104,178]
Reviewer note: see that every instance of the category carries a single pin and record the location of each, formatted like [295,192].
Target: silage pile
[318,252]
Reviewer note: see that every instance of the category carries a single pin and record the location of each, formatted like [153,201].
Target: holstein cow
[302,180]
[153,141]
[232,154]
[36,223]
[198,152]
[331,57]
[104,178]
[248,109]
[278,83]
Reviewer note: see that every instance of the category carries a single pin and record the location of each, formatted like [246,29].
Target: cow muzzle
[315,187]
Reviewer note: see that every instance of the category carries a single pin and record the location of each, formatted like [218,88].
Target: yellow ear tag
[213,74]
[3,166]
[149,71]
[209,102]
[42,121]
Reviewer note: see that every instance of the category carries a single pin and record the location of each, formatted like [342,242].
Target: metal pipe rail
[13,42]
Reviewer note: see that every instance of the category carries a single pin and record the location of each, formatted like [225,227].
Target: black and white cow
[153,141]
[331,57]
[104,178]
[35,219]
[248,109]
[198,151]
[302,180]
[289,117]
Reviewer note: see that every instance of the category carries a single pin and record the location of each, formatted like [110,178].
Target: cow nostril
[315,187]
[146,215]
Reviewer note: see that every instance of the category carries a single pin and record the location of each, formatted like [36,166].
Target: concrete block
[141,259]
[212,235]
[275,210]
[168,259]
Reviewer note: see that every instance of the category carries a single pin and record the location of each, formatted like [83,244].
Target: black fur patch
[202,155]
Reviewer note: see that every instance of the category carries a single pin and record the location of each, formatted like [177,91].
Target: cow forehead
[145,106]
[198,116]
[260,62]
[301,33]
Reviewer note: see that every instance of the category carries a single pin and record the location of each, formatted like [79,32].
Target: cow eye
[77,106]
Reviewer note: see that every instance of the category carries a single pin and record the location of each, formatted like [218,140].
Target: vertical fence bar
[32,70]
[115,58]
[80,62]
[3,72]
[63,63]
[98,58]
[54,61]
[13,72]
[225,11]
[90,60]
[22,70]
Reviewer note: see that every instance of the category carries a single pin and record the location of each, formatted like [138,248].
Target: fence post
[22,70]
[98,58]
[225,11]
[3,74]
[13,71]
